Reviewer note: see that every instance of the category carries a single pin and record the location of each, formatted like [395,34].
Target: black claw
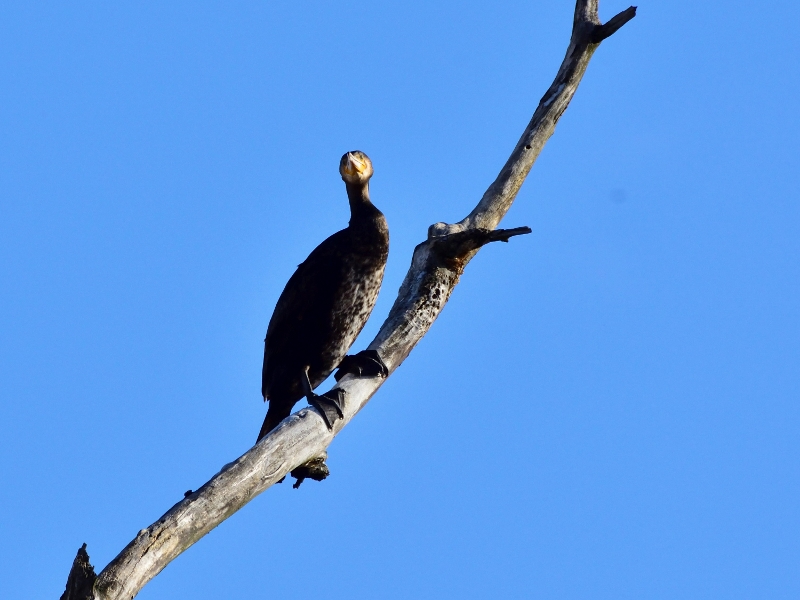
[366,363]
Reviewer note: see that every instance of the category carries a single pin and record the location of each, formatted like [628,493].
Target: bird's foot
[315,469]
[330,405]
[366,363]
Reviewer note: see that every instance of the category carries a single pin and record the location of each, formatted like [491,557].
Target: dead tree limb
[81,578]
[436,266]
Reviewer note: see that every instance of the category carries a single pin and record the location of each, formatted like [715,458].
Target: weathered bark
[80,583]
[436,266]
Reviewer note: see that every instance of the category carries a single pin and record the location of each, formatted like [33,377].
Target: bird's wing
[301,315]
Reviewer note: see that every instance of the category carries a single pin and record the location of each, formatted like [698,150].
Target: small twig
[502,235]
[602,32]
[461,246]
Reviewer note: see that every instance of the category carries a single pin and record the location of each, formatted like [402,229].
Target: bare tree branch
[603,31]
[435,269]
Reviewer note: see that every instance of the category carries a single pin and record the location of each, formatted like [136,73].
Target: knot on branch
[315,469]
[438,230]
[80,583]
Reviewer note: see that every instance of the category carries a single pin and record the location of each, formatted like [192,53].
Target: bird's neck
[360,205]
[368,229]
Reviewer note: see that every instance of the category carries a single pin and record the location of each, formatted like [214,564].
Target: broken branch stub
[80,583]
[436,266]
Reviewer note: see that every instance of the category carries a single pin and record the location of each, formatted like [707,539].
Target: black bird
[325,305]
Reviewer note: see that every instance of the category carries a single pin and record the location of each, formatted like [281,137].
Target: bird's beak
[353,166]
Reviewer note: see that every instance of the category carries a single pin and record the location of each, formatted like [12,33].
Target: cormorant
[325,305]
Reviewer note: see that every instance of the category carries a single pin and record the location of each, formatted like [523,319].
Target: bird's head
[355,167]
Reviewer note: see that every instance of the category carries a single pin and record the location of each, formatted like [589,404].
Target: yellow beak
[353,165]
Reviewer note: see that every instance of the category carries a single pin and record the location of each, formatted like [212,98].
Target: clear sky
[607,408]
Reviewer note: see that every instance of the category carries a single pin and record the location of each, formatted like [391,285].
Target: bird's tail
[275,414]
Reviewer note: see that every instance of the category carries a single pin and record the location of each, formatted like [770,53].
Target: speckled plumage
[324,306]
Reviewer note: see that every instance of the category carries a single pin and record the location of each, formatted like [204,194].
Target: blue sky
[607,408]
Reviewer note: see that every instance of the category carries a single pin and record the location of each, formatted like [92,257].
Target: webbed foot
[330,405]
[366,363]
